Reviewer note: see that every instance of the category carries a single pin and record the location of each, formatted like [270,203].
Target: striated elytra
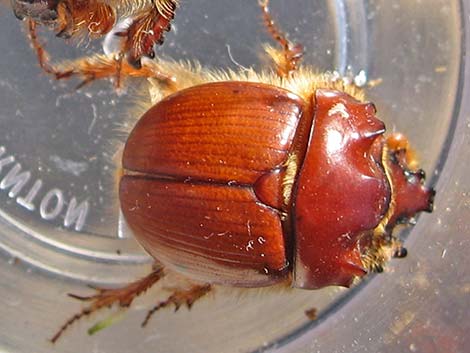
[248,184]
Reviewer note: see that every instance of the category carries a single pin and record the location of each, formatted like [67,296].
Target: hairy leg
[288,57]
[180,297]
[147,29]
[107,297]
[95,67]
[149,20]
[124,297]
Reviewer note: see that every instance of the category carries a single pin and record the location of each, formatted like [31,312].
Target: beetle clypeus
[252,179]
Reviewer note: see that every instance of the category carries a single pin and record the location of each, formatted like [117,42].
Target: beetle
[250,179]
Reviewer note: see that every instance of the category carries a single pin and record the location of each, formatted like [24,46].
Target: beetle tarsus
[69,322]
[107,297]
[288,58]
[180,297]
[41,53]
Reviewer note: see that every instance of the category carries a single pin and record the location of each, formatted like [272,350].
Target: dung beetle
[250,179]
[250,184]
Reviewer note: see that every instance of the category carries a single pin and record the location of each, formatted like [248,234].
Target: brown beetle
[243,183]
[252,179]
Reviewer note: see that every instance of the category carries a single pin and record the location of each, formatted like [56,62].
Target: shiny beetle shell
[248,184]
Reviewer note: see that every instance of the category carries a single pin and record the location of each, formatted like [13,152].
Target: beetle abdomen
[190,194]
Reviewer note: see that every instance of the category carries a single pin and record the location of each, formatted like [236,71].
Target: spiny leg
[97,66]
[288,58]
[149,21]
[41,53]
[107,297]
[148,28]
[180,297]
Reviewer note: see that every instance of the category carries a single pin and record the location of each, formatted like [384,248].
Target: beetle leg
[41,53]
[64,21]
[288,57]
[96,67]
[107,297]
[180,297]
[150,19]
[148,28]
